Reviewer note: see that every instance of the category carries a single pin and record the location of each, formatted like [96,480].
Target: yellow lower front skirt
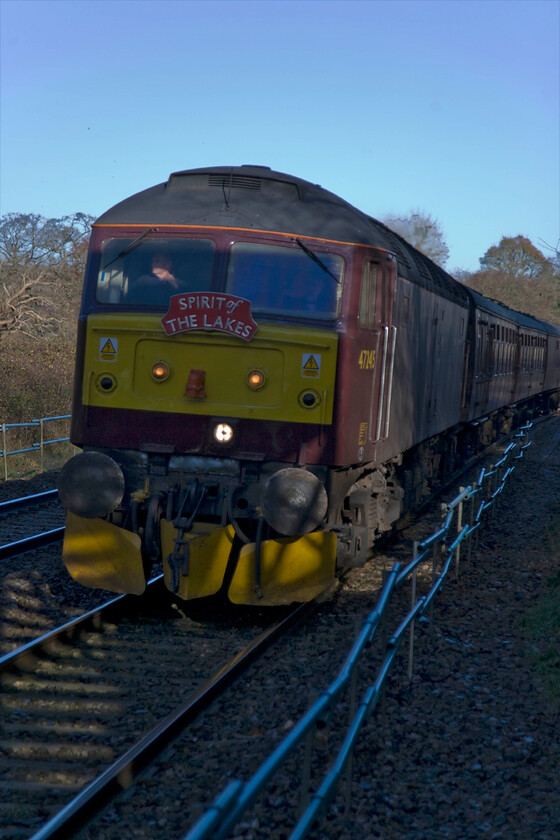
[290,570]
[103,556]
[208,553]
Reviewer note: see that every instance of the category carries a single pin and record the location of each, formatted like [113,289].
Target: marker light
[309,398]
[256,379]
[106,383]
[223,433]
[160,371]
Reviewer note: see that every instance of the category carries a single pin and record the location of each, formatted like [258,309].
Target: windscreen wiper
[316,259]
[130,247]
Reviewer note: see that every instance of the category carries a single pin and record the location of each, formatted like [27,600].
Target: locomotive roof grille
[225,180]
[240,182]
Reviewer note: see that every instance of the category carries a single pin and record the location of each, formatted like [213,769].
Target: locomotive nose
[294,502]
[91,484]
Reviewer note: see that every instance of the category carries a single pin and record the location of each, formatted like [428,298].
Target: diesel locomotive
[266,380]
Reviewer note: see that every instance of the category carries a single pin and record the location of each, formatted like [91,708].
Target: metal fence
[33,428]
[462,518]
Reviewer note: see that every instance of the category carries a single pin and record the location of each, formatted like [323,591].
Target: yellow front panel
[293,358]
[196,356]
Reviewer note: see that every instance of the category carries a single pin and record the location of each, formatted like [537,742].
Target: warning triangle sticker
[108,347]
[311,364]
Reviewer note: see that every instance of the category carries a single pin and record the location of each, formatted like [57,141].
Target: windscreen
[278,281]
[146,272]
[288,281]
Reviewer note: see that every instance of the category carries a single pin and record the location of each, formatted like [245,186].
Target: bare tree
[29,239]
[24,308]
[555,258]
[422,231]
[41,269]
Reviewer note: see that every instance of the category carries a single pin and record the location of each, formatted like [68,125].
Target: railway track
[27,501]
[19,515]
[198,749]
[71,719]
[12,549]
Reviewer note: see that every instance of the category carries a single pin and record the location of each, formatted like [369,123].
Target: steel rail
[42,643]
[27,501]
[29,543]
[37,540]
[122,773]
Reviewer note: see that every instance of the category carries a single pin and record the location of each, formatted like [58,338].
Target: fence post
[477,532]
[41,445]
[471,520]
[306,772]
[352,704]
[4,452]
[384,642]
[459,526]
[436,552]
[489,492]
[308,754]
[503,470]
[413,604]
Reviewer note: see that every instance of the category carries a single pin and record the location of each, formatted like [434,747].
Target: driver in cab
[159,285]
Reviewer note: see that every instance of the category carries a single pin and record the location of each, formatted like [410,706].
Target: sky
[450,107]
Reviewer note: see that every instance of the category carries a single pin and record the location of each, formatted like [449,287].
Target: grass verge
[541,625]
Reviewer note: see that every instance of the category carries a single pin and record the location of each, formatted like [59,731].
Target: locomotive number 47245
[367,360]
